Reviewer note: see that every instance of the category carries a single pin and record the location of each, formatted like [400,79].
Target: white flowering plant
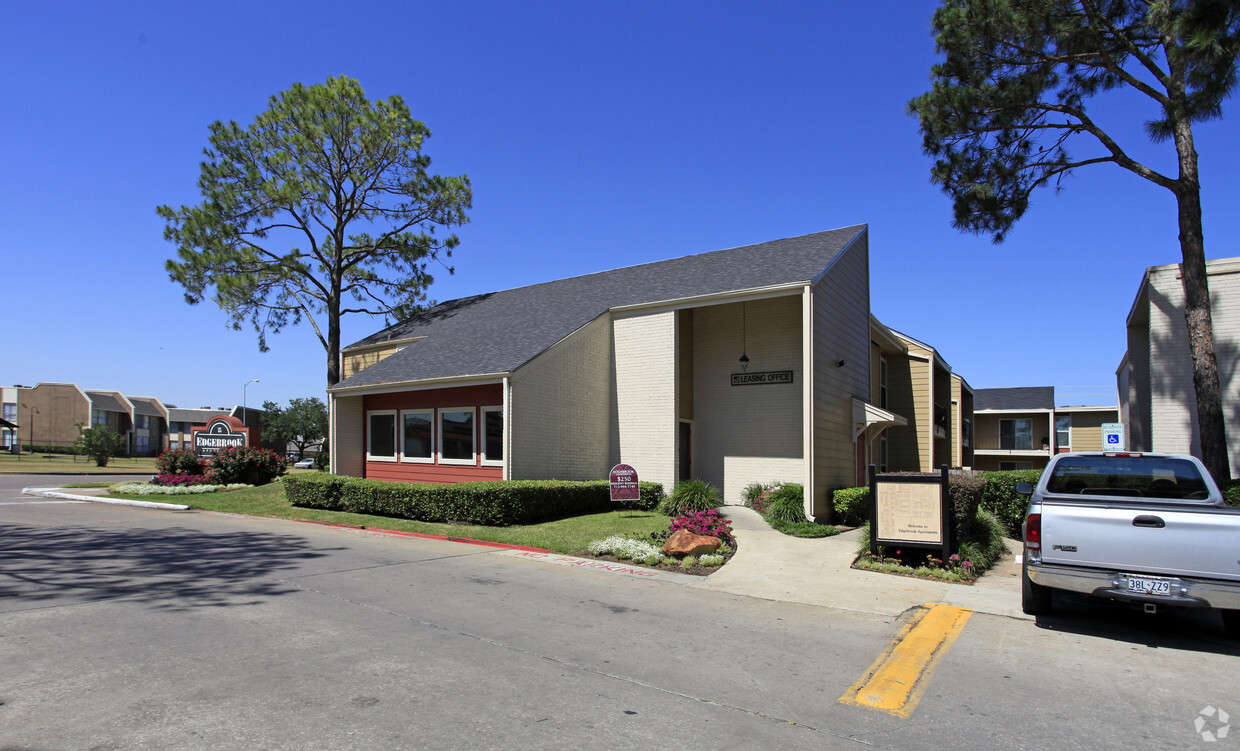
[146,488]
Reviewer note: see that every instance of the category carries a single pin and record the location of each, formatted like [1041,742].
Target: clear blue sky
[596,136]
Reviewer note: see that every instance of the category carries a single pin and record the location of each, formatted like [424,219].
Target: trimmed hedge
[853,505]
[964,493]
[492,504]
[1000,498]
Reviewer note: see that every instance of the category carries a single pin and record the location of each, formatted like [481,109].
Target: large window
[882,381]
[1016,435]
[98,417]
[9,412]
[1063,432]
[492,435]
[456,436]
[418,435]
[142,422]
[144,444]
[381,436]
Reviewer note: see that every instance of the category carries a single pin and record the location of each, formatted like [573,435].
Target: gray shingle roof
[1030,397]
[500,331]
[144,407]
[195,416]
[106,402]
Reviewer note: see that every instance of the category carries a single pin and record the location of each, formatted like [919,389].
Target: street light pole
[244,408]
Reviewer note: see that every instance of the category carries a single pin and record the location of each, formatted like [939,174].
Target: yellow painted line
[897,679]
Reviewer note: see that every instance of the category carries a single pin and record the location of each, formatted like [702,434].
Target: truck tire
[1231,623]
[1034,598]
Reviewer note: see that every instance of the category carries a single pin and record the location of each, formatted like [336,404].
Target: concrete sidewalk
[774,566]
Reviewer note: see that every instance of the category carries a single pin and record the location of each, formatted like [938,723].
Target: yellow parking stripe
[895,682]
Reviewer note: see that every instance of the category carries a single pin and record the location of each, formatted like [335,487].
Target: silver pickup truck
[1151,529]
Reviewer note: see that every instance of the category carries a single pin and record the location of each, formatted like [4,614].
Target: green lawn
[562,535]
[69,465]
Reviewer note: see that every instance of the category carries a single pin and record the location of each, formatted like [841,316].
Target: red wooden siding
[490,395]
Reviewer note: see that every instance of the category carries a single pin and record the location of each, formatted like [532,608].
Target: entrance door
[685,452]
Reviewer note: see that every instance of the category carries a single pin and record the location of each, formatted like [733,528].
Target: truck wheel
[1034,598]
[1231,623]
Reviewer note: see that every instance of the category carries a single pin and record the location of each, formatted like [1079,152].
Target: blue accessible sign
[624,485]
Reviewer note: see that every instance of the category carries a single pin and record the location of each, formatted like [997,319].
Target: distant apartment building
[1021,428]
[8,418]
[1155,377]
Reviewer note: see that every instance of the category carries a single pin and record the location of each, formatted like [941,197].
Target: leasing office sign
[219,433]
[753,379]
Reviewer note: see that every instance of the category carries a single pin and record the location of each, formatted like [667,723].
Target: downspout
[507,411]
[807,396]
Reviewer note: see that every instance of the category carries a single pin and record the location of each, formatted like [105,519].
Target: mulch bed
[696,570]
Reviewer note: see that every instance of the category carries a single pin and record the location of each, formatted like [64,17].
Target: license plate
[1147,585]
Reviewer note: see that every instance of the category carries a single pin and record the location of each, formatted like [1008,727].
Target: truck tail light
[1033,532]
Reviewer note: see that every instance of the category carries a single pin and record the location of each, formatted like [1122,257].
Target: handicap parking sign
[1113,436]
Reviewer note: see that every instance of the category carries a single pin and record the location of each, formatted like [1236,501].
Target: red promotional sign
[624,485]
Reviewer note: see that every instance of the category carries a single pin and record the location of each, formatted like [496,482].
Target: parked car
[1150,529]
[307,463]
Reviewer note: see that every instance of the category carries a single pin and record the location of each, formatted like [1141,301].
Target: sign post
[624,484]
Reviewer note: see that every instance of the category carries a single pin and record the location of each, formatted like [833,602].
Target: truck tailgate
[1197,542]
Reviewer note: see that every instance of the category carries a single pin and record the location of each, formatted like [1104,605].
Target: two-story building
[1021,428]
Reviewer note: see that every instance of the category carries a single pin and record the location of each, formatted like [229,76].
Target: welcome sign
[219,433]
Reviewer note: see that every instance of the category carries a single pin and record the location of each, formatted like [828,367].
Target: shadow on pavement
[173,568]
[1190,629]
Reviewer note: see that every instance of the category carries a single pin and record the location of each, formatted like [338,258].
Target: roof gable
[500,331]
[1029,398]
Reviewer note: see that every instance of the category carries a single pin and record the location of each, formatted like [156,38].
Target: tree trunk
[1211,431]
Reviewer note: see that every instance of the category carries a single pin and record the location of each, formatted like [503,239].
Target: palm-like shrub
[786,503]
[690,495]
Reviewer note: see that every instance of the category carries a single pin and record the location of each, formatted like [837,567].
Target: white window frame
[400,435]
[395,436]
[1015,433]
[473,460]
[482,436]
[1068,444]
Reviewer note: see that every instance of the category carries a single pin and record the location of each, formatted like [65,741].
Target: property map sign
[909,512]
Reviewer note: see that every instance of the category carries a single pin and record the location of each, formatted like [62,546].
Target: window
[882,452]
[98,417]
[456,436]
[966,432]
[142,422]
[174,445]
[418,436]
[1016,435]
[1063,432]
[882,381]
[492,435]
[10,412]
[144,444]
[381,436]
[1013,466]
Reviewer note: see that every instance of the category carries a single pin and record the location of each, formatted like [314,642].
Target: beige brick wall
[745,434]
[841,331]
[1173,411]
[348,436]
[644,394]
[560,409]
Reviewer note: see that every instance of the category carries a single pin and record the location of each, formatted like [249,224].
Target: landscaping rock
[683,543]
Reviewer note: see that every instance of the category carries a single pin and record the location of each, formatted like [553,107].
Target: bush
[245,464]
[499,503]
[1231,493]
[99,444]
[36,448]
[323,460]
[786,504]
[180,479]
[690,495]
[708,523]
[852,505]
[752,492]
[964,495]
[1000,498]
[179,462]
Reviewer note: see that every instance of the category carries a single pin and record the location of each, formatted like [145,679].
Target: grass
[566,536]
[70,465]
[803,529]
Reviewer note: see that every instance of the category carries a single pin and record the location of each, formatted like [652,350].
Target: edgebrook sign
[219,433]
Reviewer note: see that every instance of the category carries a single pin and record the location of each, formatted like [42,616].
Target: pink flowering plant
[180,479]
[709,523]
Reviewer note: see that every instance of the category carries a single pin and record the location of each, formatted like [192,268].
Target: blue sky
[595,135]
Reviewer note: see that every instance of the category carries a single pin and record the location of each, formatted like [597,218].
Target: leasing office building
[744,365]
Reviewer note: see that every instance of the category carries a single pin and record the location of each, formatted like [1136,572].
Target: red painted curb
[446,538]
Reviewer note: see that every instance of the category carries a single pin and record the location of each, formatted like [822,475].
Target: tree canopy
[323,206]
[303,424]
[1008,109]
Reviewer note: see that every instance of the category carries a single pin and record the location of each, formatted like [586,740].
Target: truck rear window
[1128,476]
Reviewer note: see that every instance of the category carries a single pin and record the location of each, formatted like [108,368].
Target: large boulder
[683,543]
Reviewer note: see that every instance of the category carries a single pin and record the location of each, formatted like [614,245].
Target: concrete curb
[56,493]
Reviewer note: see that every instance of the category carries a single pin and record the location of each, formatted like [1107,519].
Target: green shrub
[323,460]
[36,448]
[985,544]
[179,462]
[1000,498]
[1231,493]
[690,495]
[786,504]
[500,503]
[244,464]
[99,443]
[752,492]
[852,505]
[803,529]
[964,495]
